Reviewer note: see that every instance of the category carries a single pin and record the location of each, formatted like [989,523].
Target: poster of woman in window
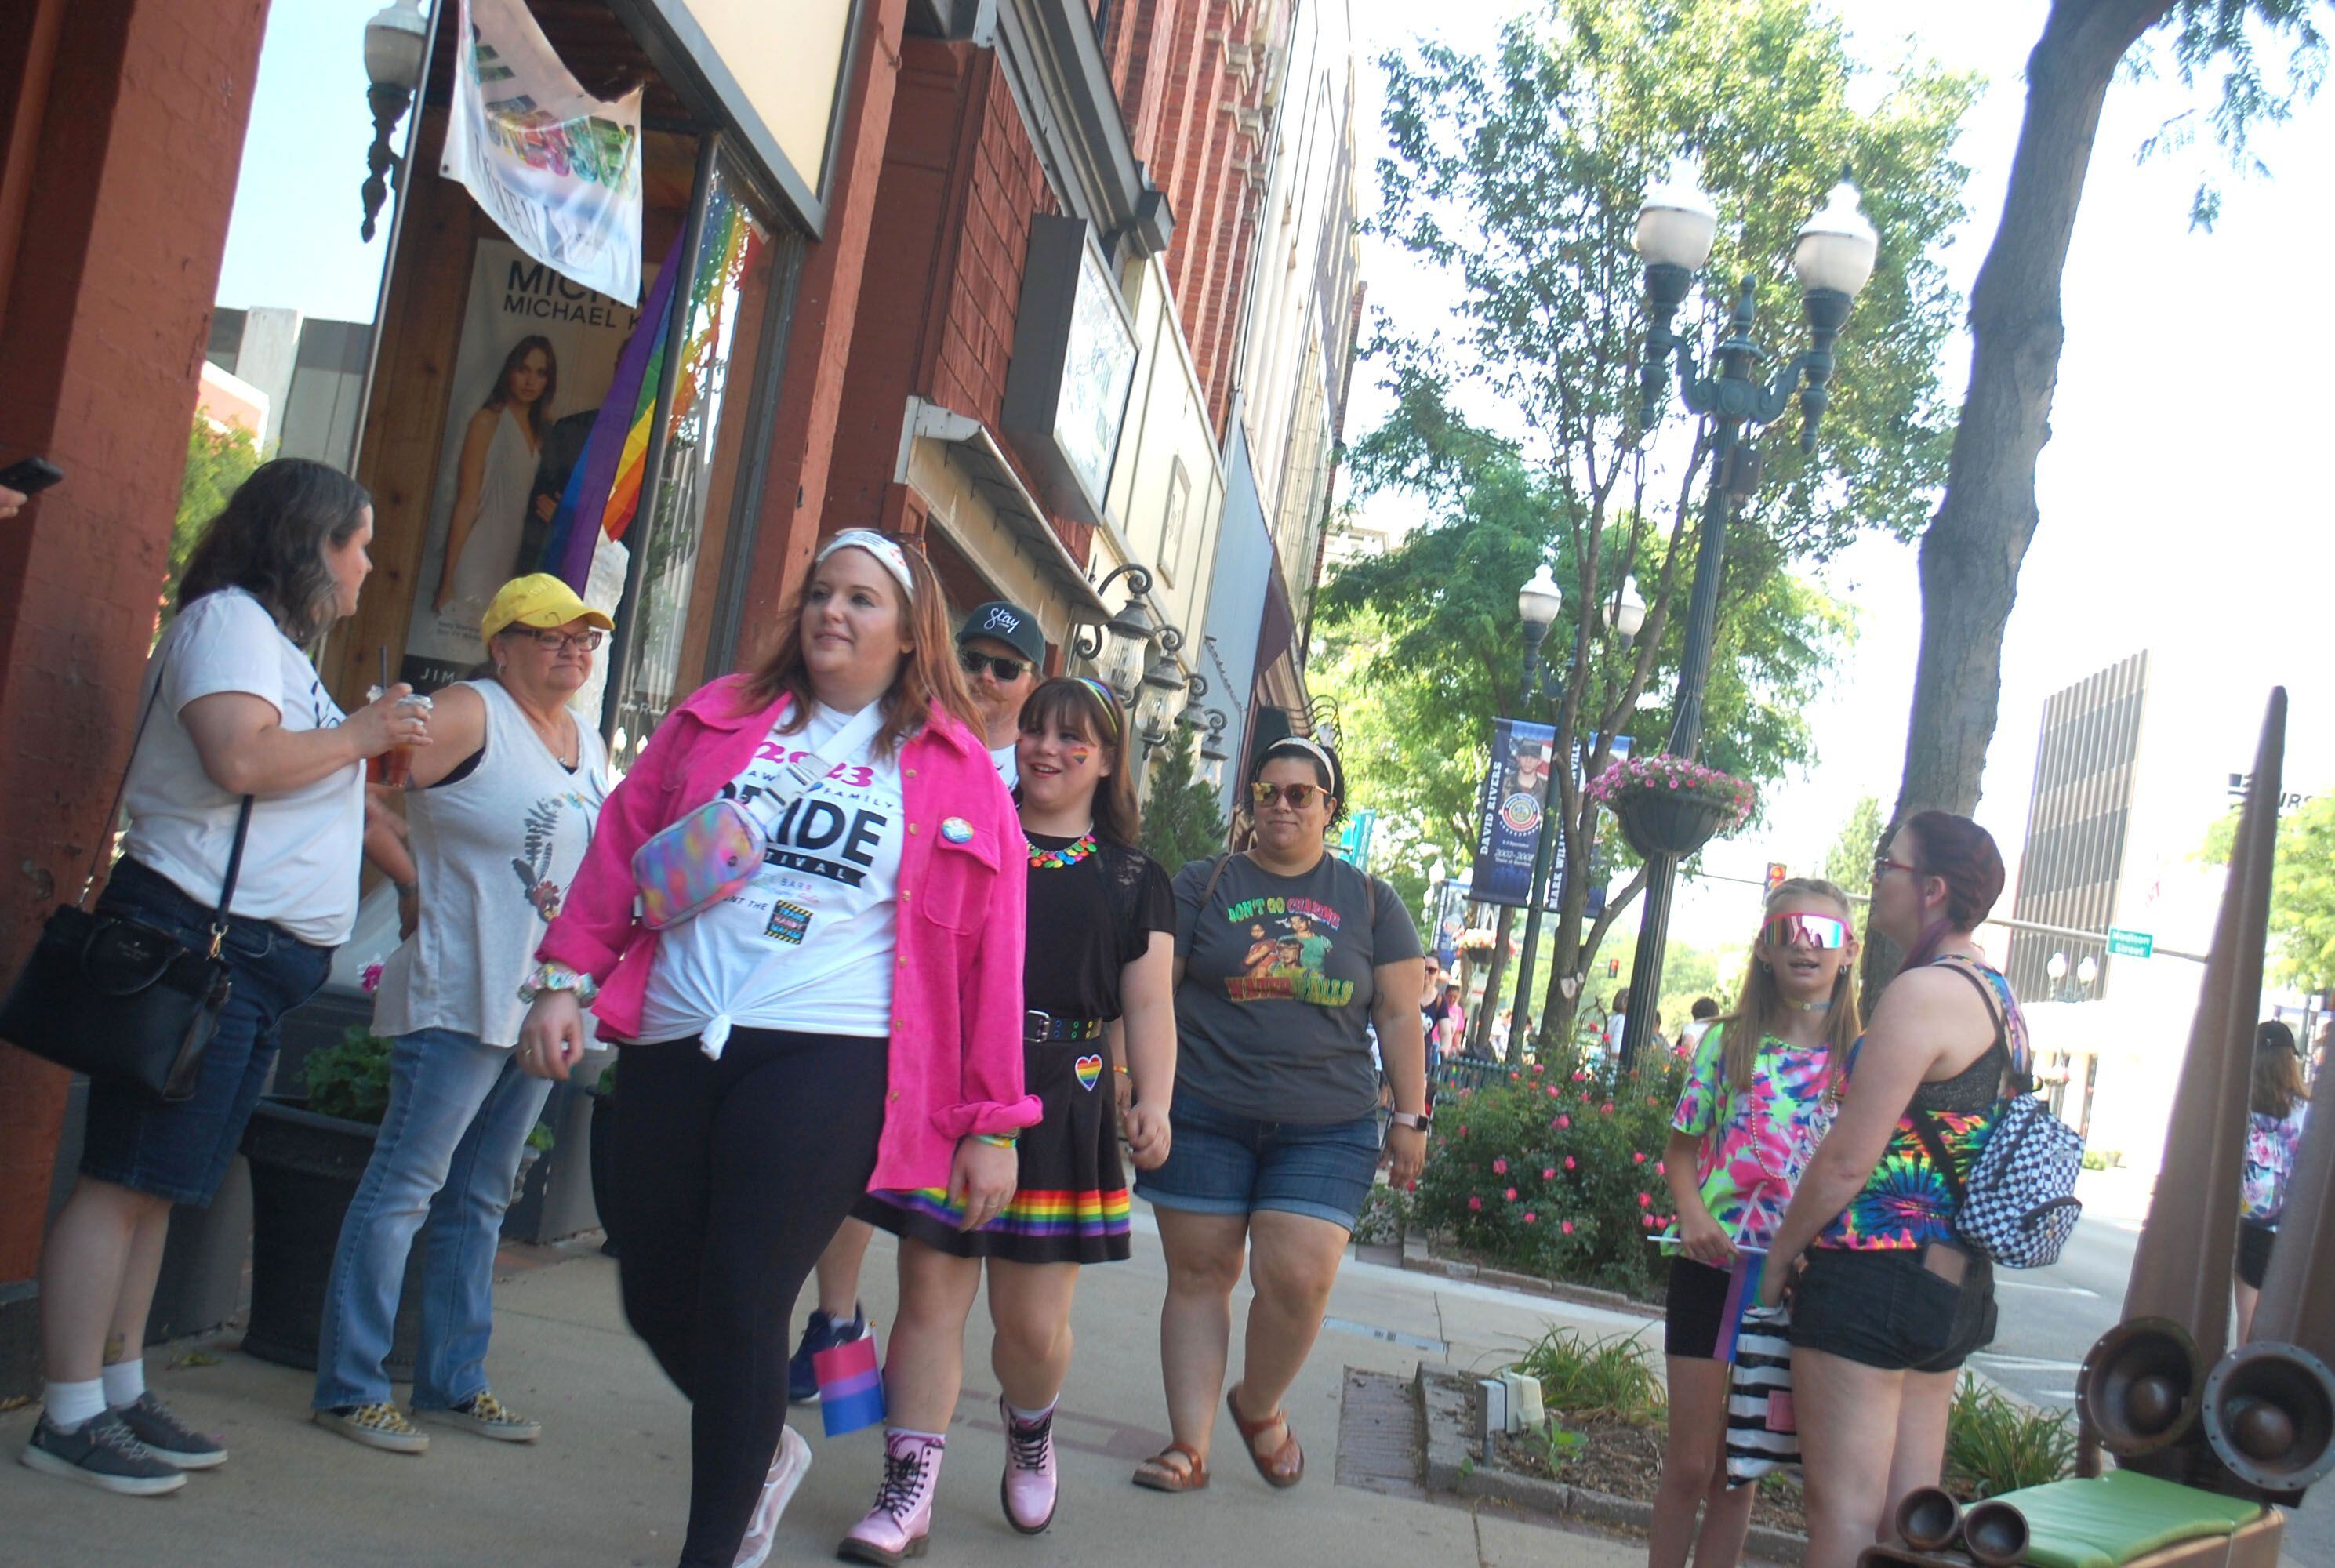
[537,355]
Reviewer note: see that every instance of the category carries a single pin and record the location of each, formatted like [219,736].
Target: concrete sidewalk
[609,1484]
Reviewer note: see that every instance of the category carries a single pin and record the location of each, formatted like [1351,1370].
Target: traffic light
[1613,969]
[1775,875]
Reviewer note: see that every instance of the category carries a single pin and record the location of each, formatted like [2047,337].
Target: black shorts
[1883,1309]
[2255,1239]
[1697,1308]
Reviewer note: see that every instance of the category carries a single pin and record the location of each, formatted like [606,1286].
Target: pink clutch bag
[696,863]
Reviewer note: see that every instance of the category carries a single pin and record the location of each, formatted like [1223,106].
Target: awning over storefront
[974,452]
[1279,627]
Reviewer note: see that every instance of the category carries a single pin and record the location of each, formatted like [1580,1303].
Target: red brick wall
[130,175]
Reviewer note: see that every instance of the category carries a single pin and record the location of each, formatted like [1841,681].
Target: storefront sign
[556,169]
[1073,367]
[536,356]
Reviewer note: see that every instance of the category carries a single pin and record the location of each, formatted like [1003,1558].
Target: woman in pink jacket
[849,1018]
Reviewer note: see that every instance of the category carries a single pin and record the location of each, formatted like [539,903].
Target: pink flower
[1531,1218]
[369,977]
[1645,1200]
[1476,1205]
[1499,1167]
[1510,1194]
[1569,1162]
[1566,1226]
[1662,1168]
[1463,1129]
[1552,1091]
[1577,1077]
[1564,1121]
[1537,1066]
[1606,1110]
[1585,1096]
[1548,1173]
[1639,1158]
[1647,1221]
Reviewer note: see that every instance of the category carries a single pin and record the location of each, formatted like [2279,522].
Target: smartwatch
[1421,1119]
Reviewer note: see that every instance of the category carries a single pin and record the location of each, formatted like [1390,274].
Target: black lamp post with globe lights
[1832,259]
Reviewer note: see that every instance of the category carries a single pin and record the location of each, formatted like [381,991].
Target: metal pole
[1686,735]
[1520,1019]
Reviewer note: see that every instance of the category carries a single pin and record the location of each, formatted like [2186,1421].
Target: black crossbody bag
[115,997]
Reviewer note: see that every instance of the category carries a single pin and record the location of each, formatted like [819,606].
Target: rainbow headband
[887,553]
[1110,702]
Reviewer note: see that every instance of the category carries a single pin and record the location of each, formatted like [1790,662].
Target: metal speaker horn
[2270,1415]
[2141,1386]
[1994,1532]
[1928,1519]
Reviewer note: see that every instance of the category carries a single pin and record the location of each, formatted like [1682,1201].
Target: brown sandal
[1157,1475]
[1285,1466]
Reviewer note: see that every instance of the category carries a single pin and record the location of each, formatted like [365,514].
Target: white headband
[1327,760]
[887,553]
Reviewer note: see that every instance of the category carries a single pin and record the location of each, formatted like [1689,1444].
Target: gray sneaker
[169,1438]
[101,1452]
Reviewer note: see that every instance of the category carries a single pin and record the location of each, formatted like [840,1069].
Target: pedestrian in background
[1100,1012]
[1892,1303]
[1758,1100]
[847,1017]
[1275,1124]
[239,750]
[2273,1131]
[499,810]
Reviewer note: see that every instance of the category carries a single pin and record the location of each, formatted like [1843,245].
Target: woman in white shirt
[501,808]
[232,710]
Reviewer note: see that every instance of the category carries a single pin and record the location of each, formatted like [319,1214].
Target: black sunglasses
[973,663]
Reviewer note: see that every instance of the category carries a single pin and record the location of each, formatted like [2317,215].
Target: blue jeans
[1221,1163]
[180,1149]
[459,1115]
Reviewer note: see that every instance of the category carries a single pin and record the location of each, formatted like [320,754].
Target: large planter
[304,1170]
[1668,821]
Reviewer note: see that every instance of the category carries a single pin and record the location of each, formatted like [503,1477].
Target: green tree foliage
[1180,822]
[1519,176]
[217,462]
[1848,863]
[2302,891]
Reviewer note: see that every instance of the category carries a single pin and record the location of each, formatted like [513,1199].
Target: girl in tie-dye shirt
[1758,1100]
[2273,1129]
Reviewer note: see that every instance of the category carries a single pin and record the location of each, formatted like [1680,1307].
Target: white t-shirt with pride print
[809,944]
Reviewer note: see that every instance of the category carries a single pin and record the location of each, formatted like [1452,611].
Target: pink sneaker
[1028,1488]
[786,1473]
[899,1527]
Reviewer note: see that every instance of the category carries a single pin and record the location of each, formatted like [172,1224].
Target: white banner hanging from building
[556,169]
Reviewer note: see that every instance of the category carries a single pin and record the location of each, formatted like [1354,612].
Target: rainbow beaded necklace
[1068,855]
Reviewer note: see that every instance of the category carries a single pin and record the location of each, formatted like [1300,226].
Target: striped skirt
[1072,1205]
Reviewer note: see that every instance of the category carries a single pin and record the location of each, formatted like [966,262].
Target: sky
[2177,503]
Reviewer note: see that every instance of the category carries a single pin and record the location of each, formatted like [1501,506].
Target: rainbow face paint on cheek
[1079,756]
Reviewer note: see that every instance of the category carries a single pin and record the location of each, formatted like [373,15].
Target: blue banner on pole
[1512,806]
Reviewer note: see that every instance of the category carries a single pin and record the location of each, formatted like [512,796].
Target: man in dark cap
[1003,655]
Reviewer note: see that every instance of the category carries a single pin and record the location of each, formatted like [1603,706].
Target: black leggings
[730,1179]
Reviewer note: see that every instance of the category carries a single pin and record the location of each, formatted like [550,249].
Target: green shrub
[2103,1158]
[1557,1173]
[350,1079]
[1994,1445]
[1584,1380]
[1385,1217]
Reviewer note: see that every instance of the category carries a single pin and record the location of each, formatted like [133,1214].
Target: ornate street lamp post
[1832,259]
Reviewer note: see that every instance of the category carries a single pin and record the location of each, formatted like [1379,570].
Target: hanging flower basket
[1670,806]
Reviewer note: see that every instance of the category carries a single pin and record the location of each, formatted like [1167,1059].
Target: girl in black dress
[1097,984]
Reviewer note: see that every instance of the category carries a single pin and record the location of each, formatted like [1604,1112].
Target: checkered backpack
[2018,1205]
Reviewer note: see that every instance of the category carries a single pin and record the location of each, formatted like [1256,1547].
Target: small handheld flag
[850,1387]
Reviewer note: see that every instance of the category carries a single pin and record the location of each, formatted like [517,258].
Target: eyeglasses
[1298,795]
[560,642]
[1805,931]
[973,663]
[1882,866]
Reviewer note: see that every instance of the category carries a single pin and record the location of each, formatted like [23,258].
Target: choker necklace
[1071,853]
[1824,1006]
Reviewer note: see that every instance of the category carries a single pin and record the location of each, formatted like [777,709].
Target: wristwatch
[1421,1119]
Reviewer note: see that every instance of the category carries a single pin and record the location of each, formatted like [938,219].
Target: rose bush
[1557,1173]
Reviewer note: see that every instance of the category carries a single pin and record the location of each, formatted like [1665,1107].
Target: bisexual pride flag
[850,1387]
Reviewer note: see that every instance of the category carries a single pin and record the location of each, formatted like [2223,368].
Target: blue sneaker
[822,1334]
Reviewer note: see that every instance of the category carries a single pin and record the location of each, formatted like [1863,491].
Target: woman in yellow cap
[499,807]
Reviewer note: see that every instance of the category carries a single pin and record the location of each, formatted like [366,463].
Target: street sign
[2130,944]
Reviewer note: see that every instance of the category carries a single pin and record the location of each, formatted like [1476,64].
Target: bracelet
[554,976]
[993,1139]
[1118,1070]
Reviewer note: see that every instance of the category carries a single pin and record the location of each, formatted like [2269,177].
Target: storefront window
[704,446]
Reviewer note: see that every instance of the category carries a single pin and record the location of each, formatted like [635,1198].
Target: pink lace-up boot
[1028,1488]
[899,1525]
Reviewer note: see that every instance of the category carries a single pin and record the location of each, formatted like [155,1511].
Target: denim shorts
[1885,1309]
[179,1150]
[1221,1164]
